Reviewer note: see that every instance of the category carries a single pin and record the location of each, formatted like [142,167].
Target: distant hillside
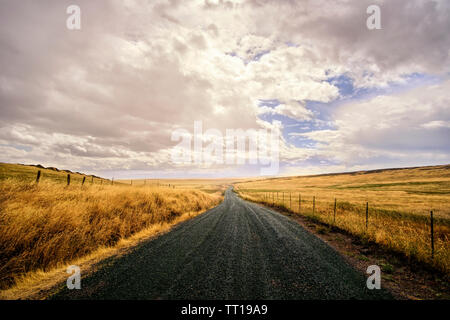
[417,189]
[29,172]
[444,167]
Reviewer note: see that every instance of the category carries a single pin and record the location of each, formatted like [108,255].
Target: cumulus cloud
[410,127]
[109,95]
[291,109]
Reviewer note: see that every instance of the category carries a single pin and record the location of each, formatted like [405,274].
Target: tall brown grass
[42,226]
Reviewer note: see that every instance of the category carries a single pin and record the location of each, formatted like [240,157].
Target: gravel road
[237,250]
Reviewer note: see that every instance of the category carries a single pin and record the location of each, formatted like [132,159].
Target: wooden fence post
[432,234]
[314,204]
[334,215]
[367,215]
[299,202]
[38,176]
[68,179]
[84,180]
[290,201]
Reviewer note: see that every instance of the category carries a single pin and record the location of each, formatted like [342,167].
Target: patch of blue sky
[314,161]
[348,92]
[292,44]
[258,56]
[271,103]
[343,83]
[292,129]
[323,111]
[303,142]
[419,79]
[18,147]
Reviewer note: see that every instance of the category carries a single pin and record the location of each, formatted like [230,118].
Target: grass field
[205,185]
[49,224]
[399,203]
[44,226]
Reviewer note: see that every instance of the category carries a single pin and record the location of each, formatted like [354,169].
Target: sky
[106,99]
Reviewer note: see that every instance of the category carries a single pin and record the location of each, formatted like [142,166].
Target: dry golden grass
[39,284]
[399,206]
[47,225]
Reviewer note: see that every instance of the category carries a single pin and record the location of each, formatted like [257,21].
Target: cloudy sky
[106,99]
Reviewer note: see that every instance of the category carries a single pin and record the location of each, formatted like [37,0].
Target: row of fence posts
[267,198]
[38,178]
